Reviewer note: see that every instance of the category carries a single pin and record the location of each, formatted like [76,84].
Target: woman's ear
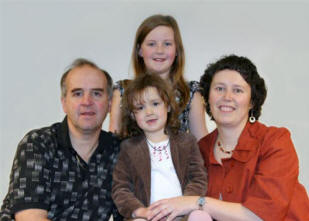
[168,108]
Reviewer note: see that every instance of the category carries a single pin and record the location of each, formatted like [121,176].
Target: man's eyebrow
[97,89]
[76,89]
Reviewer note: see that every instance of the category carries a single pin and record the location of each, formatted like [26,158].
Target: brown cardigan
[132,172]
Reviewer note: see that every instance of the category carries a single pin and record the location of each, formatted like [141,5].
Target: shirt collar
[246,147]
[64,140]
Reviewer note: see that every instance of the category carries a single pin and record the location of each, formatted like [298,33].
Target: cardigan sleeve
[123,187]
[274,181]
[196,174]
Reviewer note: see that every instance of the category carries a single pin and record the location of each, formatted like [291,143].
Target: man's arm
[31,214]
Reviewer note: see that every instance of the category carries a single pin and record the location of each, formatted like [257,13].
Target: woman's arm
[218,209]
[115,114]
[197,121]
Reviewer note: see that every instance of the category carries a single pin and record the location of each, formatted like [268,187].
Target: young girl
[158,50]
[156,161]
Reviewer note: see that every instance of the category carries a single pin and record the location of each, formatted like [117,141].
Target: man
[64,172]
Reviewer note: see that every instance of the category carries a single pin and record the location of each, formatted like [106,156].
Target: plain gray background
[39,39]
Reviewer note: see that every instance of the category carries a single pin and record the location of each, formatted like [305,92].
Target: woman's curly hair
[249,73]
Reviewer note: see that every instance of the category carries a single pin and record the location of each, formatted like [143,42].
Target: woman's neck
[229,136]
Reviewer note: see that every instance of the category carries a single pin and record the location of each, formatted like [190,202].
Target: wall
[39,39]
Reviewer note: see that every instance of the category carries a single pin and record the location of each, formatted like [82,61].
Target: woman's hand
[172,207]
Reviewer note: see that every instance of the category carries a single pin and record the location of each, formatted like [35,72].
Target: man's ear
[63,104]
[109,105]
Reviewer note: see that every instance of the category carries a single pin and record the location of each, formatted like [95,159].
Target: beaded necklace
[159,150]
[223,150]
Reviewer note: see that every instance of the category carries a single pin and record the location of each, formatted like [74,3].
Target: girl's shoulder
[121,85]
[132,142]
[194,86]
[183,137]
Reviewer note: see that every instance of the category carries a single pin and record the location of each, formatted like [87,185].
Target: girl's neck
[155,137]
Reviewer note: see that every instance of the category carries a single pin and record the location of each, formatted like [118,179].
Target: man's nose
[87,99]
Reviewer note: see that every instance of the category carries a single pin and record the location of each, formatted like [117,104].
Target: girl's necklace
[222,149]
[159,150]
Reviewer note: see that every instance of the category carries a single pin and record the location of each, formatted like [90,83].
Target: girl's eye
[138,108]
[168,43]
[150,44]
[156,103]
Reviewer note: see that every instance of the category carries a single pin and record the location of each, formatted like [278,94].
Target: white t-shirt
[164,180]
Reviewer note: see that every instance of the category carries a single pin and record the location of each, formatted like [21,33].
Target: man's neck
[84,143]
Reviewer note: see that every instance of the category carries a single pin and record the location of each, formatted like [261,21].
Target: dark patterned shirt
[48,174]
[184,116]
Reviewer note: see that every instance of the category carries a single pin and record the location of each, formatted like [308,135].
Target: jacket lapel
[142,161]
[179,160]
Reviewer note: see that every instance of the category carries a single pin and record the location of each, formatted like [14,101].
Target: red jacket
[262,173]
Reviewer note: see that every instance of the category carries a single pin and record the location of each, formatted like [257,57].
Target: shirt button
[229,189]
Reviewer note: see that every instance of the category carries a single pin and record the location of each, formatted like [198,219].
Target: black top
[47,173]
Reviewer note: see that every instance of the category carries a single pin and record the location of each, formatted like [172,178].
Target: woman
[252,168]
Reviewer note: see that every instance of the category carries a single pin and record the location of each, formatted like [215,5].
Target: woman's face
[158,50]
[229,99]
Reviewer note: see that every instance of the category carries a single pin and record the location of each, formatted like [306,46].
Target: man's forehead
[86,76]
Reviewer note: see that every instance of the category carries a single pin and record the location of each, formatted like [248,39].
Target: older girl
[158,50]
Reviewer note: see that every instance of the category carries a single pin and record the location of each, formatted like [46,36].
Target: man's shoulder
[41,136]
[110,140]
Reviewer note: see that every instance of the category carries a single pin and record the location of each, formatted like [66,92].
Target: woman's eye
[219,88]
[238,90]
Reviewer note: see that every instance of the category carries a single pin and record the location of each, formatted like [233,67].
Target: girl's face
[159,50]
[229,99]
[151,113]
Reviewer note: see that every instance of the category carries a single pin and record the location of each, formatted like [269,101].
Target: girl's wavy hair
[249,73]
[177,70]
[134,93]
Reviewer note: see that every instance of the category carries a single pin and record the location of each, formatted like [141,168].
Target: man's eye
[97,94]
[77,94]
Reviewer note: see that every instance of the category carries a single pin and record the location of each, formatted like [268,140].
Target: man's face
[86,101]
